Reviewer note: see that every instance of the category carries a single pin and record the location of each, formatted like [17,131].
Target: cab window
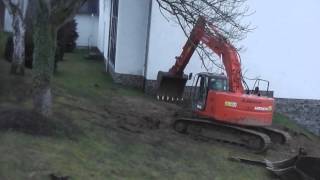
[218,84]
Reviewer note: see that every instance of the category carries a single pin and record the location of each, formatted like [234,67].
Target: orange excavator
[223,110]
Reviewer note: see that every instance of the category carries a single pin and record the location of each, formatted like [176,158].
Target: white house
[87,23]
[137,42]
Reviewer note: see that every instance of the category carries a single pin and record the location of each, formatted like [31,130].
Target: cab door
[200,93]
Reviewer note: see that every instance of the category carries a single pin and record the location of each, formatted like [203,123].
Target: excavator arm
[191,45]
[230,59]
[171,84]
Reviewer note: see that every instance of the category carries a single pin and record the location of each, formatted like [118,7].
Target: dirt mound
[139,124]
[139,115]
[30,122]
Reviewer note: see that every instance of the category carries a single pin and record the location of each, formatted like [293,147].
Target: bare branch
[16,7]
[63,11]
[226,15]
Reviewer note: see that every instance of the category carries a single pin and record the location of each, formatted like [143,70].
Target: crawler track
[258,139]
[213,131]
[277,136]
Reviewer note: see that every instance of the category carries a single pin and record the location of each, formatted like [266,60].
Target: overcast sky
[284,47]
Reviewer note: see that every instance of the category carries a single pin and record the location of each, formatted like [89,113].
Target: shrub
[66,42]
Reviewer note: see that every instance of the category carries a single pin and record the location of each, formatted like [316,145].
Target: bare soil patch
[30,122]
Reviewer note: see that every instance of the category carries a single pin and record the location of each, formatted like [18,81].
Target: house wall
[132,37]
[103,24]
[165,43]
[103,27]
[87,29]
[7,21]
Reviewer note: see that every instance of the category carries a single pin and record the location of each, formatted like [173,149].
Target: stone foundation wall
[304,112]
[126,79]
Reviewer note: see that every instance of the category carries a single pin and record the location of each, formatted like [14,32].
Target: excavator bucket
[297,168]
[170,88]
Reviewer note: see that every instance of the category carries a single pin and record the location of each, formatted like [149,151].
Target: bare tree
[17,9]
[226,15]
[48,16]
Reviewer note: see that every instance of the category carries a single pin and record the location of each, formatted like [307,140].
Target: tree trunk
[47,16]
[19,29]
[43,56]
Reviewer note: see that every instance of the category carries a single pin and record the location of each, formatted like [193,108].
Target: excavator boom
[171,84]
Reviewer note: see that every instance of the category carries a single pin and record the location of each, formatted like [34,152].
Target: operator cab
[206,82]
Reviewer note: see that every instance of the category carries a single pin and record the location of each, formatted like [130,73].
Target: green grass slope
[99,147]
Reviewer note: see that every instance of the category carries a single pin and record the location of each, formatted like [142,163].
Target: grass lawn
[99,149]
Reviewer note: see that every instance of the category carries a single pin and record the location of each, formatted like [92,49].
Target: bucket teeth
[168,98]
[170,87]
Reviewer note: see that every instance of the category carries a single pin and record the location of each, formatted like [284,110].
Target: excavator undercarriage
[255,139]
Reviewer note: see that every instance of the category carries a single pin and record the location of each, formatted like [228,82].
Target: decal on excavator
[263,108]
[230,104]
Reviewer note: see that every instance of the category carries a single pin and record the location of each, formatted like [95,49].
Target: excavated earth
[139,115]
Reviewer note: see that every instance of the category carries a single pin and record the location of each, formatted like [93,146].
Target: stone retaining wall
[304,112]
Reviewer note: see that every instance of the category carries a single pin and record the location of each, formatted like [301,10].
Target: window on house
[90,7]
[113,31]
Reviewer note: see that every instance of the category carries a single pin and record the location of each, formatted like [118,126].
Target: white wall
[103,27]
[100,41]
[7,22]
[281,49]
[87,29]
[8,17]
[131,36]
[166,42]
